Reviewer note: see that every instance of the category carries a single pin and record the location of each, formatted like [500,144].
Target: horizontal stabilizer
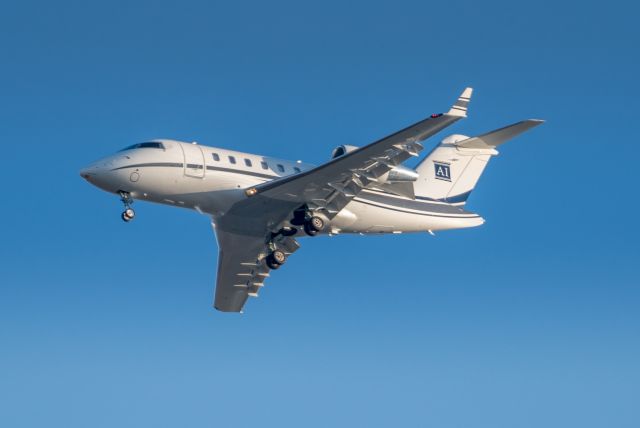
[499,136]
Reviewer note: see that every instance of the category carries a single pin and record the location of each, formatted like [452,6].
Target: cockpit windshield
[148,145]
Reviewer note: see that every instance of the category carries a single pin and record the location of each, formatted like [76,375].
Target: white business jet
[259,205]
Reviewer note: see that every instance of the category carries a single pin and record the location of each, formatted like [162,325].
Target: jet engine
[342,150]
[399,174]
[398,180]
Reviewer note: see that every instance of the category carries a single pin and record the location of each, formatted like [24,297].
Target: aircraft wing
[241,269]
[246,229]
[330,186]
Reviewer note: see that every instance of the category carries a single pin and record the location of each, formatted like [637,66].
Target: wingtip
[459,108]
[534,122]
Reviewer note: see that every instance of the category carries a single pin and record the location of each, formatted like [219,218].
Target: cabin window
[280,168]
[216,157]
[232,159]
[247,162]
[264,165]
[296,169]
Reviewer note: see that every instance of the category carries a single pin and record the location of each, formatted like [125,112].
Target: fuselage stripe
[196,166]
[424,213]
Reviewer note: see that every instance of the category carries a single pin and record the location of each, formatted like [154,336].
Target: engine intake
[342,150]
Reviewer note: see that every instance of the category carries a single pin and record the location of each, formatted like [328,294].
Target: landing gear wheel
[288,231]
[279,257]
[316,223]
[128,215]
[276,259]
[271,264]
[309,231]
[313,226]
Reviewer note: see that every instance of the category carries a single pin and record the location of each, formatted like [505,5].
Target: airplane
[260,205]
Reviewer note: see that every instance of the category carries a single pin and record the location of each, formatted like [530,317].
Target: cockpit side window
[147,145]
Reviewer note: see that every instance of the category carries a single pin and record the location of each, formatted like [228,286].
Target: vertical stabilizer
[450,172]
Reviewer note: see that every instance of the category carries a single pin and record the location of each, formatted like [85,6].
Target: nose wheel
[128,214]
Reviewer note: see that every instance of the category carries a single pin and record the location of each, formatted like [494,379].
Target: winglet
[460,107]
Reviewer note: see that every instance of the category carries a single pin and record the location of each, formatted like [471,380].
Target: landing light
[251,192]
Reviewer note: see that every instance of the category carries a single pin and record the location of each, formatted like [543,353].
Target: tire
[271,264]
[276,259]
[309,231]
[288,231]
[125,217]
[279,257]
[316,223]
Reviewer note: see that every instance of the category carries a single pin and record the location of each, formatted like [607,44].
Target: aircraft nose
[88,172]
[101,175]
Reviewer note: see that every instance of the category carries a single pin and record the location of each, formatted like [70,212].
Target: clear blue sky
[531,320]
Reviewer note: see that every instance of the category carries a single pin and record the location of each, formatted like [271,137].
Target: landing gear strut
[276,259]
[313,225]
[128,214]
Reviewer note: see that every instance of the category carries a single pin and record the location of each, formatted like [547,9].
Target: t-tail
[450,172]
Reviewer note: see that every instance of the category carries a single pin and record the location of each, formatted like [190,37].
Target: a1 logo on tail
[443,170]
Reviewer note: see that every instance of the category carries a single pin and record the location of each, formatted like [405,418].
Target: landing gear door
[194,165]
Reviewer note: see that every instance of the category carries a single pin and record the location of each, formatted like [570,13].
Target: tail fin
[450,172]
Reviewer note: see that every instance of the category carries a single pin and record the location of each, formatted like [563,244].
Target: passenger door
[194,164]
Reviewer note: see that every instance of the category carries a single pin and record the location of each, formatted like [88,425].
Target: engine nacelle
[399,174]
[402,174]
[342,150]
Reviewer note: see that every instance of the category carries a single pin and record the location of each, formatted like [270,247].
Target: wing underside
[242,270]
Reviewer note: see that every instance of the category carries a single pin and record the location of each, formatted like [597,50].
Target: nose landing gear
[128,214]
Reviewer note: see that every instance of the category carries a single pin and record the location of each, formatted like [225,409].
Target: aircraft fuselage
[210,180]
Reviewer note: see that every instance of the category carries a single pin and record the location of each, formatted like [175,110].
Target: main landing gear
[313,225]
[128,214]
[276,259]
